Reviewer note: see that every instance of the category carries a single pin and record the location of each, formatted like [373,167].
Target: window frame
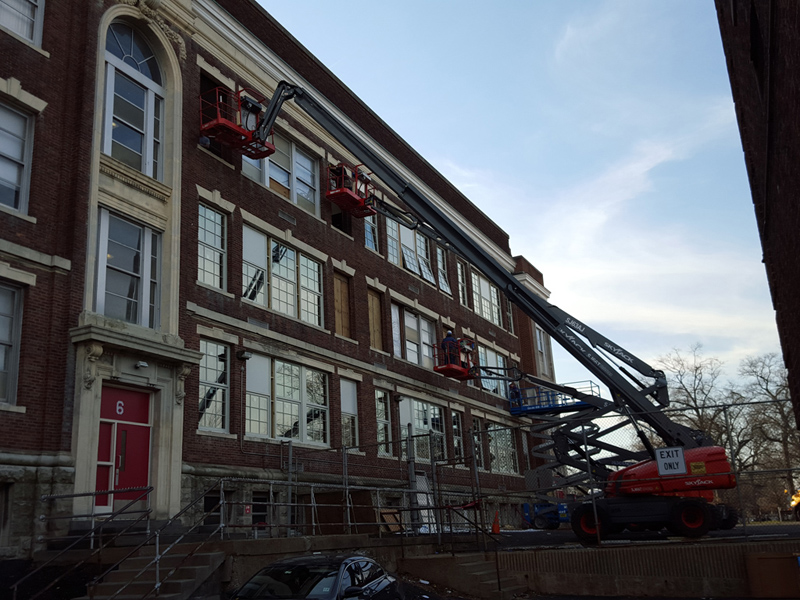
[303,295]
[348,398]
[371,239]
[38,22]
[221,252]
[155,95]
[393,251]
[375,315]
[457,427]
[463,290]
[499,455]
[258,386]
[401,317]
[543,353]
[147,260]
[486,307]
[25,164]
[14,343]
[341,301]
[477,439]
[219,386]
[305,406]
[425,417]
[385,447]
[260,171]
[441,270]
[492,358]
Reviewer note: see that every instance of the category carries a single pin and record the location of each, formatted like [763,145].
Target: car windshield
[312,582]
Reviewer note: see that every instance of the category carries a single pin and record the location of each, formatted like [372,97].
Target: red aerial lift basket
[351,189]
[230,119]
[454,359]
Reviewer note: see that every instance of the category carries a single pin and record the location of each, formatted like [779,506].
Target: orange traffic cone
[496,524]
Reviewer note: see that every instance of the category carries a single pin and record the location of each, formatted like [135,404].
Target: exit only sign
[670,461]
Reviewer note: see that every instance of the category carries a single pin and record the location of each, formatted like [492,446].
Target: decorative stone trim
[138,181]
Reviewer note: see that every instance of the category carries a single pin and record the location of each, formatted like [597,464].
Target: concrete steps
[474,574]
[192,571]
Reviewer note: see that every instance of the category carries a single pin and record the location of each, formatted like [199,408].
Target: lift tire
[541,522]
[731,520]
[584,524]
[691,517]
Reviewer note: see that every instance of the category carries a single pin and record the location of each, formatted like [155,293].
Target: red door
[123,452]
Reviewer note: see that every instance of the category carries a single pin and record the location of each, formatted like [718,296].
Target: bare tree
[776,440]
[700,399]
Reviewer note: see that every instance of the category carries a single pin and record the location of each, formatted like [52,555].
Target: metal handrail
[113,515]
[156,536]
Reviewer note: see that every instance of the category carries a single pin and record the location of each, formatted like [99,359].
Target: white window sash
[152,89]
[145,277]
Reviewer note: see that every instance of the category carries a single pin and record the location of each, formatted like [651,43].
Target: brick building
[761,41]
[173,312]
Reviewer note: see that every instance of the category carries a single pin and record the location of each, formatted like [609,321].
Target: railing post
[158,562]
[290,478]
[412,480]
[346,491]
[222,509]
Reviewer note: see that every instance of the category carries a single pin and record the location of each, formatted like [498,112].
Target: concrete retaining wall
[677,570]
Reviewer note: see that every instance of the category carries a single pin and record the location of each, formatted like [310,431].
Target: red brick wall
[762,44]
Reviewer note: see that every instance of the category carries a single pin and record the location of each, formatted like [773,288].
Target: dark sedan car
[323,577]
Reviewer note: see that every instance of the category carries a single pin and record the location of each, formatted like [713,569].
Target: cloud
[619,268]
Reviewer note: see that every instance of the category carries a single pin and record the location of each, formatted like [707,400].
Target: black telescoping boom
[640,401]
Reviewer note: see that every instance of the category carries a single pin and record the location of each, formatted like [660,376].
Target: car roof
[330,560]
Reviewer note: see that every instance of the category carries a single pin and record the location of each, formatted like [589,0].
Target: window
[278,393]
[16,135]
[211,257]
[497,363]
[510,315]
[259,394]
[415,252]
[290,172]
[543,351]
[441,266]
[371,232]
[128,271]
[134,104]
[502,449]
[426,421]
[300,391]
[477,441]
[393,241]
[282,279]
[23,17]
[214,391]
[341,297]
[384,421]
[486,299]
[10,331]
[458,436]
[463,297]
[412,336]
[349,394]
[375,320]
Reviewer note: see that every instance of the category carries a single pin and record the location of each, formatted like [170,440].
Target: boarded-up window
[341,291]
[375,336]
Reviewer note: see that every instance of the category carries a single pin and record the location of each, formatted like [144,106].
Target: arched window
[134,102]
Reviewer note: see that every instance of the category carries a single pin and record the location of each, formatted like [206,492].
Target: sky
[600,134]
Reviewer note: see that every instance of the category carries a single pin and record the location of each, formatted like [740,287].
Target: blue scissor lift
[537,400]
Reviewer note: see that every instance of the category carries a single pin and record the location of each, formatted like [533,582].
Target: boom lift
[635,496]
